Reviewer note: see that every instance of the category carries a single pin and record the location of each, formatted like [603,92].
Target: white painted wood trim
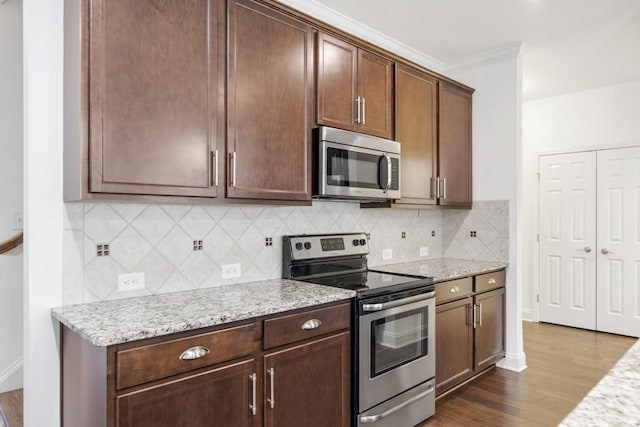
[8,373]
[528,316]
[513,362]
[358,29]
[507,52]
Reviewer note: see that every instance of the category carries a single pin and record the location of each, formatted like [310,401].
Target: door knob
[587,249]
[606,251]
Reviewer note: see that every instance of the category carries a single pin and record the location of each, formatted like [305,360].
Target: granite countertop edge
[444,269]
[124,320]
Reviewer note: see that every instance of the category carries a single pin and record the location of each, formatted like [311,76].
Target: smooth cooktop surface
[373,282]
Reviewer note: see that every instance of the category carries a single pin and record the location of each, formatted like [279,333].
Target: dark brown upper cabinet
[269,104]
[416,130]
[433,126]
[355,88]
[150,73]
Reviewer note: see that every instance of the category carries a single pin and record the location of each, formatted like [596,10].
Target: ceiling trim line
[492,56]
[358,29]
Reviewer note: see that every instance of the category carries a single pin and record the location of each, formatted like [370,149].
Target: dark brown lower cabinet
[454,343]
[219,397]
[489,339]
[259,372]
[470,329]
[308,385]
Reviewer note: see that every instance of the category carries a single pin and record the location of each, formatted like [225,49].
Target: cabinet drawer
[151,362]
[309,324]
[453,289]
[486,282]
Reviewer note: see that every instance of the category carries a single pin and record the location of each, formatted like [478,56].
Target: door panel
[454,146]
[375,81]
[153,104]
[271,146]
[618,234]
[416,119]
[567,231]
[337,82]
[454,352]
[489,337]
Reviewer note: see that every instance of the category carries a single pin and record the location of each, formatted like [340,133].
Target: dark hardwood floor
[563,365]
[11,404]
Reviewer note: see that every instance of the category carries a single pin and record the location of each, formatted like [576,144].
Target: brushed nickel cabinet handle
[474,316]
[194,353]
[311,324]
[480,314]
[233,169]
[214,166]
[491,281]
[437,187]
[271,400]
[364,111]
[444,188]
[454,290]
[253,405]
[358,110]
[216,182]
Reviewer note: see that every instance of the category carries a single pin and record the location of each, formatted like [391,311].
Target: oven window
[398,339]
[352,169]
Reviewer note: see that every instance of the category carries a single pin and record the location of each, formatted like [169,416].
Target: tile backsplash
[183,247]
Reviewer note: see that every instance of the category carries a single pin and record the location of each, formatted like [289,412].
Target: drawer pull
[492,281]
[194,353]
[454,290]
[311,324]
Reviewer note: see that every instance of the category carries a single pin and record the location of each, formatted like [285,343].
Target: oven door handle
[378,417]
[385,305]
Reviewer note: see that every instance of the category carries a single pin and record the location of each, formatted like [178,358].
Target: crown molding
[492,56]
[358,29]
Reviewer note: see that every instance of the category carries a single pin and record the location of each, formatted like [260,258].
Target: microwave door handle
[388,184]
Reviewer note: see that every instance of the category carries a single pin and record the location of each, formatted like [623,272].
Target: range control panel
[327,245]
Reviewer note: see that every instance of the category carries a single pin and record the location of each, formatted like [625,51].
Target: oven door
[357,172]
[396,348]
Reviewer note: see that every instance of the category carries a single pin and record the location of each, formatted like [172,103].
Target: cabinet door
[153,72]
[221,397]
[310,384]
[454,344]
[489,341]
[270,102]
[454,145]
[337,83]
[375,88]
[416,109]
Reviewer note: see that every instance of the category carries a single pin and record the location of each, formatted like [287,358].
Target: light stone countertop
[442,269]
[615,400]
[119,321]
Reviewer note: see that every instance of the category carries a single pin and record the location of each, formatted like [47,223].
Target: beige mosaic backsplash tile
[159,241]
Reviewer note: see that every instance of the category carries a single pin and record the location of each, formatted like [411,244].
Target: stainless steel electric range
[393,340]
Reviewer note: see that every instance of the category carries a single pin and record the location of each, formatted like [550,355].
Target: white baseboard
[11,377]
[527,315]
[513,362]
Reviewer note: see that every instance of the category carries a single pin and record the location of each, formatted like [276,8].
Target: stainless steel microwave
[350,165]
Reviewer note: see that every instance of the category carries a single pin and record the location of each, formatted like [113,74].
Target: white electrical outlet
[17,220]
[424,250]
[229,271]
[387,254]
[130,282]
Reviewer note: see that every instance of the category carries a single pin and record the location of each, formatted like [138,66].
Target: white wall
[497,158]
[606,117]
[43,59]
[10,193]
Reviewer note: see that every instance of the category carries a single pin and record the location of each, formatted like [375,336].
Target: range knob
[363,242]
[356,242]
[299,246]
[307,245]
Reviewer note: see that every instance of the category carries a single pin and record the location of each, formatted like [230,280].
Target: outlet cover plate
[424,250]
[387,254]
[130,282]
[230,271]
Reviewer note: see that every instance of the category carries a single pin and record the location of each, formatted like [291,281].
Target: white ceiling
[572,45]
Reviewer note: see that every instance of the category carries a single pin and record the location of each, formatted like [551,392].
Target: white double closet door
[589,253]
